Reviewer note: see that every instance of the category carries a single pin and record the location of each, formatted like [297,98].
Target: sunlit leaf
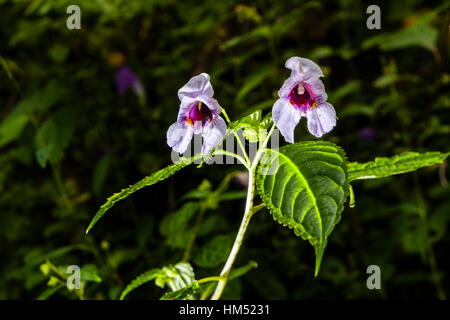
[182,294]
[147,181]
[305,185]
[140,280]
[385,167]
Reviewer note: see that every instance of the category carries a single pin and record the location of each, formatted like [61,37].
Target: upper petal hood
[196,86]
[303,67]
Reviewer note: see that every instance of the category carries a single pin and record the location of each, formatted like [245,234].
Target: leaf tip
[319,249]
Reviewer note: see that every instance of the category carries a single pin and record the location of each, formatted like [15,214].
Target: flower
[125,78]
[303,94]
[199,113]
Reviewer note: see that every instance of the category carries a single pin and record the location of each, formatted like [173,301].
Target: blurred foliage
[68,140]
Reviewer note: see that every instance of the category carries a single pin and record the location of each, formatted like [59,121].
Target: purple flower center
[302,97]
[199,112]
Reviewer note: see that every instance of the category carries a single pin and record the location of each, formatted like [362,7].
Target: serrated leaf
[147,181]
[385,167]
[267,121]
[179,275]
[140,280]
[253,125]
[182,294]
[307,190]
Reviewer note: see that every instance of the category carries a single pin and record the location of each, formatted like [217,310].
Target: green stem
[231,154]
[257,208]
[242,148]
[237,137]
[207,291]
[60,185]
[226,115]
[209,279]
[239,238]
[245,220]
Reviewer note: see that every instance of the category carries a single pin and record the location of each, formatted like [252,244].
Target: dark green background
[68,141]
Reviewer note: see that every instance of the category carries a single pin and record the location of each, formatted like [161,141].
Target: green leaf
[304,185]
[267,121]
[54,135]
[421,33]
[179,275]
[11,127]
[147,181]
[255,34]
[41,100]
[238,272]
[254,126]
[214,252]
[252,82]
[175,226]
[42,155]
[140,280]
[49,292]
[182,294]
[100,174]
[89,273]
[385,167]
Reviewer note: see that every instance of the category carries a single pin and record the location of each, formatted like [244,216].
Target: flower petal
[318,89]
[179,135]
[198,85]
[185,105]
[321,119]
[213,134]
[288,85]
[304,66]
[286,117]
